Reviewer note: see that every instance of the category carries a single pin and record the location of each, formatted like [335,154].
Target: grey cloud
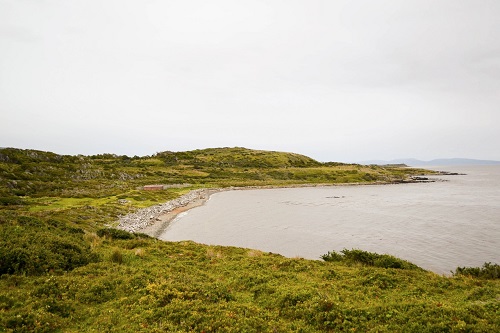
[345,80]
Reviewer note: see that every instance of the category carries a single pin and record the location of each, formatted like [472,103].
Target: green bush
[29,221]
[32,249]
[332,256]
[117,257]
[365,258]
[11,200]
[115,233]
[360,256]
[487,271]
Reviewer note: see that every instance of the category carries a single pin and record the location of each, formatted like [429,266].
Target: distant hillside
[237,157]
[31,173]
[442,161]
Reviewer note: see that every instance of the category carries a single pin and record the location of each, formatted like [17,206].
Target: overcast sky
[335,80]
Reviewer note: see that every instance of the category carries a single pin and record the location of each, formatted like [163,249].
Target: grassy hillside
[62,270]
[237,157]
[29,177]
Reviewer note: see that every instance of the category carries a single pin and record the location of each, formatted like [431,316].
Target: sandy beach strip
[163,221]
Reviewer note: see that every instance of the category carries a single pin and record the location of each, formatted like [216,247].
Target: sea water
[438,226]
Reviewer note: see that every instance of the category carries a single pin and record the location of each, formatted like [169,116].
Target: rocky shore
[155,219]
[149,216]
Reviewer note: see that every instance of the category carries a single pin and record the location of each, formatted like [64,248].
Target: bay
[438,226]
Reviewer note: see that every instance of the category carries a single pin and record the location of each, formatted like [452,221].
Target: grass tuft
[141,253]
[117,257]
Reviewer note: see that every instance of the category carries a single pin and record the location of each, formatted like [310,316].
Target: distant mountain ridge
[440,161]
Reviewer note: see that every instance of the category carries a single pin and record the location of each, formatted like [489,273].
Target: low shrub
[29,221]
[33,248]
[117,257]
[115,233]
[365,258]
[11,200]
[332,256]
[487,271]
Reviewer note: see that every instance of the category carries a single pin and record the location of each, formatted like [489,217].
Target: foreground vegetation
[62,268]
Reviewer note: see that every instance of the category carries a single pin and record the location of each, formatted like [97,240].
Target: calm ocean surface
[437,226]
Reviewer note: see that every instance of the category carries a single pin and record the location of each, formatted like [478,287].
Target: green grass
[62,270]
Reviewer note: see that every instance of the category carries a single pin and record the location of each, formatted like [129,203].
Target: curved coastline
[154,220]
[163,219]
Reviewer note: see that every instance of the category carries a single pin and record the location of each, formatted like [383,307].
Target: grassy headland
[63,270]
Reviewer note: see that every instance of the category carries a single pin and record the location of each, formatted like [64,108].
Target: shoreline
[154,220]
[146,220]
[164,220]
